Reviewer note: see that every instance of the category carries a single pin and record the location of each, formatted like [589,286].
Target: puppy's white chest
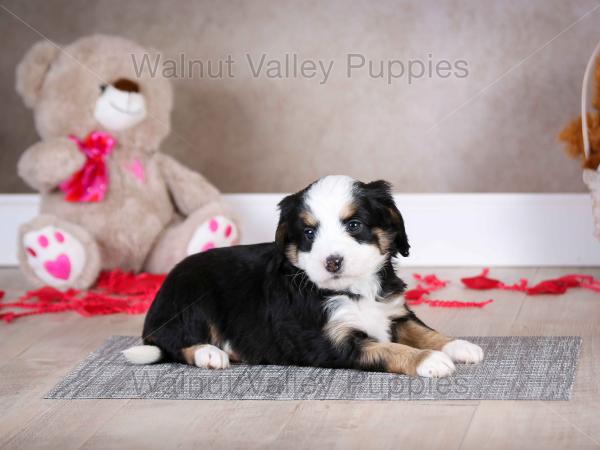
[365,314]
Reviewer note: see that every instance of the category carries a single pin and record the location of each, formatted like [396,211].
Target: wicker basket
[590,177]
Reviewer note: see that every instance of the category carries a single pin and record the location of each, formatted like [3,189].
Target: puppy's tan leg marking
[214,337]
[397,358]
[188,354]
[416,335]
[400,358]
[206,356]
[233,356]
[392,356]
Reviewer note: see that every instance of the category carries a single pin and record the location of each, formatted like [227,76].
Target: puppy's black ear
[381,192]
[281,235]
[401,241]
[286,208]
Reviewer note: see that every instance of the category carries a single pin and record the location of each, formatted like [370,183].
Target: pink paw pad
[208,246]
[55,257]
[43,241]
[218,231]
[60,267]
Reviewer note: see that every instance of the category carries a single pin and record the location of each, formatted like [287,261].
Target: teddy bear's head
[98,82]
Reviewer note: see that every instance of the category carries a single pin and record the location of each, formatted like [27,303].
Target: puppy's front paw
[463,351]
[435,365]
[211,357]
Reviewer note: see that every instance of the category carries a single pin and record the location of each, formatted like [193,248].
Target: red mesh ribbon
[115,292]
[555,286]
[124,292]
[430,283]
[89,184]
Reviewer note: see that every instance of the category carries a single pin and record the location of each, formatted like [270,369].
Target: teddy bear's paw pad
[218,231]
[54,255]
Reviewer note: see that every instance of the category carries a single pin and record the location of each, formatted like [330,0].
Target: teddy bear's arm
[189,189]
[47,163]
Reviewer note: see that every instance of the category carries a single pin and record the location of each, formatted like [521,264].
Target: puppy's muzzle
[333,263]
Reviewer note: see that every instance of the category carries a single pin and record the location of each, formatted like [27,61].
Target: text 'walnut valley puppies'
[323,294]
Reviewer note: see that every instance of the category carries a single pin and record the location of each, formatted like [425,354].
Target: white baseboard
[443,229]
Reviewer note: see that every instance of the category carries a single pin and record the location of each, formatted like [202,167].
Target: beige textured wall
[496,128]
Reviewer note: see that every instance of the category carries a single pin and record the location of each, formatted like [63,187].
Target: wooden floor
[36,352]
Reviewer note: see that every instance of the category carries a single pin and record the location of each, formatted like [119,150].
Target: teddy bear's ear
[32,69]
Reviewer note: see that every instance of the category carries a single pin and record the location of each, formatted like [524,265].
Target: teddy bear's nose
[127,85]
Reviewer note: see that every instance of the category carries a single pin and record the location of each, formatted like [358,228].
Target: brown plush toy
[109,198]
[571,135]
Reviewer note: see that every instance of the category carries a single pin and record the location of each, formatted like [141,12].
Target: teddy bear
[572,136]
[109,197]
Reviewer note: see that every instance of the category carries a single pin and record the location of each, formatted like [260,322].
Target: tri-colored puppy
[323,294]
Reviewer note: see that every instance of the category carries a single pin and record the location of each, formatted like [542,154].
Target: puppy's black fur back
[267,309]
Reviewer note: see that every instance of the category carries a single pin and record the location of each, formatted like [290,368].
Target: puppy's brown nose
[127,85]
[333,263]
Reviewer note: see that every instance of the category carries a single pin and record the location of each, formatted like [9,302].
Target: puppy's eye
[103,87]
[354,226]
[309,232]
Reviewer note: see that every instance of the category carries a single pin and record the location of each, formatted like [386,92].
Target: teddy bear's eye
[103,87]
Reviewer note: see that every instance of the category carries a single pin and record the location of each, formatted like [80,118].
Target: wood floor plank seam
[467,428]
[102,424]
[571,424]
[284,425]
[523,298]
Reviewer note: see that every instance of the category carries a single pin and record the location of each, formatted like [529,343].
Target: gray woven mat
[515,368]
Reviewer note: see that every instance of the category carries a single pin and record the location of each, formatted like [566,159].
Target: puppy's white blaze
[143,354]
[327,199]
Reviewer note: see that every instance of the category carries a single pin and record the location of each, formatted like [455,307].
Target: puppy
[323,294]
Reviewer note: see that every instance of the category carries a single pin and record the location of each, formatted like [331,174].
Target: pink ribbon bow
[89,184]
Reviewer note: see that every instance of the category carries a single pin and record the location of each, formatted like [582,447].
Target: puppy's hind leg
[206,356]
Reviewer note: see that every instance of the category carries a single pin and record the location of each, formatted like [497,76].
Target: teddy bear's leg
[58,253]
[207,228]
[214,232]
